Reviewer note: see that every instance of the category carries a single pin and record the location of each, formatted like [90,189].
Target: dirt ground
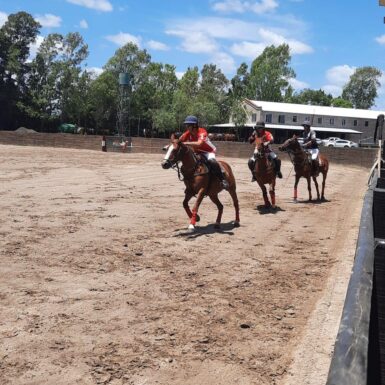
[100,282]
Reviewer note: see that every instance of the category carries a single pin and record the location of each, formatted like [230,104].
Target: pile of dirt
[23,130]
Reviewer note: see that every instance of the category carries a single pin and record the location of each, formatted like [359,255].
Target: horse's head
[290,144]
[175,151]
[260,147]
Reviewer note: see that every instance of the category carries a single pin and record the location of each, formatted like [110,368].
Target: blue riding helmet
[191,120]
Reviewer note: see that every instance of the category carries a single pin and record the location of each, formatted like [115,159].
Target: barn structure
[285,119]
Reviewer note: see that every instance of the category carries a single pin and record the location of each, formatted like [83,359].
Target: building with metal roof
[285,119]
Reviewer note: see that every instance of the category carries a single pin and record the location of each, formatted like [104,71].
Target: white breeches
[208,155]
[313,153]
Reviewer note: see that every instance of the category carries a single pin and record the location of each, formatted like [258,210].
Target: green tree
[312,97]
[361,90]
[340,102]
[239,83]
[269,74]
[16,36]
[57,82]
[103,102]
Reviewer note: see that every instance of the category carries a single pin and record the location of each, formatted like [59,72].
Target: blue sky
[328,38]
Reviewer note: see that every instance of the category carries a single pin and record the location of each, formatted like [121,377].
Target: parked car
[329,140]
[341,143]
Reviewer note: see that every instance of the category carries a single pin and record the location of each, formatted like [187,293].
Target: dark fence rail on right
[359,353]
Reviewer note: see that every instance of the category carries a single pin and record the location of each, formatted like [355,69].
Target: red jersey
[206,145]
[266,135]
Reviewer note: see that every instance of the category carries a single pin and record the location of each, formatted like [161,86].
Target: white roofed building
[285,119]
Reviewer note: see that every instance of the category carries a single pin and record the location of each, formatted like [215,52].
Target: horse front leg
[309,187]
[194,215]
[323,186]
[264,193]
[187,197]
[214,198]
[272,194]
[296,188]
[316,187]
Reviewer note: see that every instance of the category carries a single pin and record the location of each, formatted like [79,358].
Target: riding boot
[217,171]
[315,167]
[251,165]
[277,167]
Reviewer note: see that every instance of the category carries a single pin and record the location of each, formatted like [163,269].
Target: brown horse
[264,173]
[199,181]
[303,167]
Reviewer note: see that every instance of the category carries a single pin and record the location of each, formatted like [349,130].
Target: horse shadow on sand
[225,228]
[312,202]
[263,210]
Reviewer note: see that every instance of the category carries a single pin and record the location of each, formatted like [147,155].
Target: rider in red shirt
[267,137]
[197,138]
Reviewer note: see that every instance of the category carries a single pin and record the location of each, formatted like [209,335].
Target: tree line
[55,86]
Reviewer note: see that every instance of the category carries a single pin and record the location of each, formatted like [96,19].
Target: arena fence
[359,354]
[363,157]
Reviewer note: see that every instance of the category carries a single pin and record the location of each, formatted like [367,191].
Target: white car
[329,140]
[341,143]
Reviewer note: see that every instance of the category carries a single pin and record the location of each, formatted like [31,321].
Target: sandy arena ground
[100,283]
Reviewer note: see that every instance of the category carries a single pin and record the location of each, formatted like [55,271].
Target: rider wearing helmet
[197,138]
[310,145]
[267,137]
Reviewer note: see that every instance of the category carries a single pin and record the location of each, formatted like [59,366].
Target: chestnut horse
[303,167]
[264,173]
[199,181]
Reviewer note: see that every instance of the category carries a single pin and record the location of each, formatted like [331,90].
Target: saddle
[202,166]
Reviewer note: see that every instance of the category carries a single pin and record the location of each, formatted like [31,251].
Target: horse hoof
[295,200]
[191,227]
[198,218]
[236,224]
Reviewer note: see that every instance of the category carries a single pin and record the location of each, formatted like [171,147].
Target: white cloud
[99,5]
[157,45]
[298,84]
[296,47]
[247,49]
[33,48]
[239,6]
[336,78]
[48,20]
[203,35]
[95,71]
[339,75]
[3,18]
[124,38]
[224,61]
[83,24]
[179,74]
[195,42]
[380,39]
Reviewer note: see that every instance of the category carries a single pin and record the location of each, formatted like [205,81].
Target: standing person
[311,146]
[268,139]
[197,138]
